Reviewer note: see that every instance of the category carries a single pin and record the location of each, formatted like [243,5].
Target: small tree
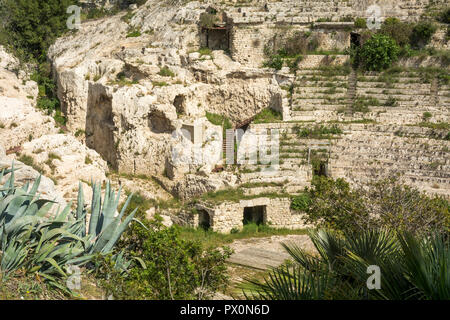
[422,33]
[397,30]
[379,52]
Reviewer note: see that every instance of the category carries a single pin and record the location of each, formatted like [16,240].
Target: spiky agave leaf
[31,239]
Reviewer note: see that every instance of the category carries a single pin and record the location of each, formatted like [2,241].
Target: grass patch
[122,80]
[318,131]
[205,51]
[432,125]
[160,83]
[219,120]
[267,116]
[361,121]
[166,72]
[29,161]
[134,33]
[214,239]
[236,195]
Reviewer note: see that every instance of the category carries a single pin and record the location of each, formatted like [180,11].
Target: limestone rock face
[14,78]
[21,122]
[68,160]
[194,185]
[27,133]
[130,94]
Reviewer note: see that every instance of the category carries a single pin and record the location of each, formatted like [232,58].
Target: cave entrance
[255,215]
[159,123]
[217,38]
[180,104]
[244,124]
[355,39]
[204,220]
[100,126]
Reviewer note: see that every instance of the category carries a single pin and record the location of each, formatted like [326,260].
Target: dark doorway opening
[204,220]
[321,169]
[244,127]
[217,38]
[180,104]
[255,214]
[159,123]
[355,39]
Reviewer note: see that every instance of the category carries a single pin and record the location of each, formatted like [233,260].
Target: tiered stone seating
[294,172]
[368,152]
[363,152]
[401,98]
[317,96]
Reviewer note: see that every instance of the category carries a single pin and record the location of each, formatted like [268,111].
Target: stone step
[390,91]
[299,107]
[399,97]
[404,79]
[319,100]
[318,76]
[258,258]
[317,89]
[322,84]
[351,172]
[395,160]
[403,86]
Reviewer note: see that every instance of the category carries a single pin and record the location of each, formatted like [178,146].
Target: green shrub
[275,62]
[169,267]
[422,33]
[426,116]
[208,20]
[301,202]
[166,72]
[360,23]
[32,26]
[379,52]
[134,33]
[382,204]
[397,30]
[445,16]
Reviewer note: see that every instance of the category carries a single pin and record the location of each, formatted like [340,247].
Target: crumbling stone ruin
[160,78]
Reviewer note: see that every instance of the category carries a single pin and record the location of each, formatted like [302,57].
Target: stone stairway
[389,138]
[363,152]
[295,169]
[396,98]
[319,95]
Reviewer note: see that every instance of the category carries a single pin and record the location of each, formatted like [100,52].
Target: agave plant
[411,268]
[34,238]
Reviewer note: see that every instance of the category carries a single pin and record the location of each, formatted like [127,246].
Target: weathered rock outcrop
[131,82]
[129,96]
[28,134]
[68,161]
